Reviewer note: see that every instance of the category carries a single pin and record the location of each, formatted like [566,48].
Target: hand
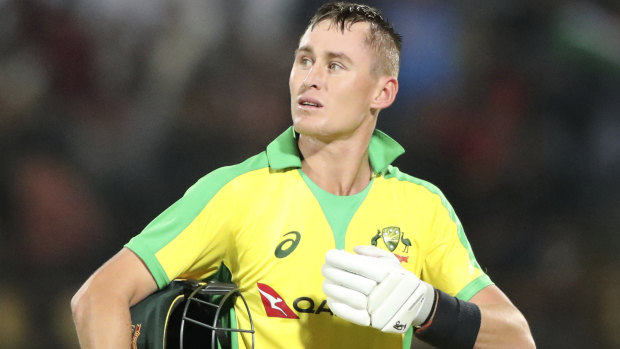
[371,288]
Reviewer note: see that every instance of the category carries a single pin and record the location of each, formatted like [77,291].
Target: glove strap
[455,323]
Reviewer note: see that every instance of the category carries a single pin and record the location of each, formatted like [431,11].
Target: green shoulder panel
[165,227]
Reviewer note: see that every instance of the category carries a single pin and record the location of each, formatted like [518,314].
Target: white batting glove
[371,288]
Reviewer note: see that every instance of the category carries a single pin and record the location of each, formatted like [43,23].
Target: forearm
[502,325]
[101,306]
[102,321]
[488,320]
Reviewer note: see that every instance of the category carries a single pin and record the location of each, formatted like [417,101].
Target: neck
[340,166]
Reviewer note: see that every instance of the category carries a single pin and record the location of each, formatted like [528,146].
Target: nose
[314,78]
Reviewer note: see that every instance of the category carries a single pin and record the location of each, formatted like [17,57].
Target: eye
[335,66]
[305,61]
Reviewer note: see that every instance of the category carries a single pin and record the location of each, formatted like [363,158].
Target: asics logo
[287,246]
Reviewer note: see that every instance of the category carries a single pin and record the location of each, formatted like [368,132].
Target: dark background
[110,109]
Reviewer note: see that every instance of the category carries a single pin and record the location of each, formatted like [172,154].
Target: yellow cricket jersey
[270,226]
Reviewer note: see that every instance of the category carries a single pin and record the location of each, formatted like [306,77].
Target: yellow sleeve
[191,238]
[450,264]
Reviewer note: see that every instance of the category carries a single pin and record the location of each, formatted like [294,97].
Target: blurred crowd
[110,109]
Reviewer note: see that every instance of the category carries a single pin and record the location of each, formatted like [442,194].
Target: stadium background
[110,109]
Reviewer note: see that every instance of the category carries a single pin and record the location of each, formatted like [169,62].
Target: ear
[387,88]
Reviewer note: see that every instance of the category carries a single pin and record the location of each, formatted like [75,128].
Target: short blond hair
[382,39]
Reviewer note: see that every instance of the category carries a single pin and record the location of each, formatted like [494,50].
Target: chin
[307,127]
[303,128]
[316,127]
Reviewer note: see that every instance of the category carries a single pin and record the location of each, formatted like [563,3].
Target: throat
[340,182]
[340,167]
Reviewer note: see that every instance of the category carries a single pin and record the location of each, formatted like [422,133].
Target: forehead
[327,35]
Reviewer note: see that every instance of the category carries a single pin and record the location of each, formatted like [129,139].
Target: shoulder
[418,187]
[214,181]
[394,173]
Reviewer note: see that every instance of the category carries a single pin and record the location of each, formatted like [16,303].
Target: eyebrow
[330,54]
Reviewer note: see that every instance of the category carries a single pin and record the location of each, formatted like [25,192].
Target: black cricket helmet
[190,314]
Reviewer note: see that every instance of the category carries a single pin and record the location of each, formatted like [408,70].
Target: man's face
[331,83]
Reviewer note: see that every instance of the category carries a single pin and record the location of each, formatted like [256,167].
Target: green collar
[283,153]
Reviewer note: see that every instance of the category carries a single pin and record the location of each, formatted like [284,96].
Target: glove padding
[371,288]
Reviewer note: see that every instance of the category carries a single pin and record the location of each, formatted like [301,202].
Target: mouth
[308,103]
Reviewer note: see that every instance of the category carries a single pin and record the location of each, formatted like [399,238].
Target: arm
[502,325]
[101,306]
[489,320]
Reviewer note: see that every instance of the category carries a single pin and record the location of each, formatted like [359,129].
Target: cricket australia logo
[392,237]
